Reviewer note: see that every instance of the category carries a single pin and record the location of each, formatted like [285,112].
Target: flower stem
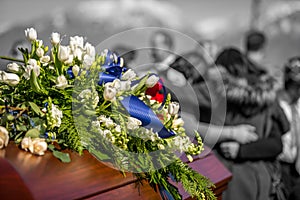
[11,59]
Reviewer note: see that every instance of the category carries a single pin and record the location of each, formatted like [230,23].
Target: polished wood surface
[45,177]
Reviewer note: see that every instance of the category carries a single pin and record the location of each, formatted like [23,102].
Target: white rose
[40,52]
[63,53]
[55,38]
[26,143]
[173,108]
[109,93]
[4,137]
[90,49]
[13,67]
[76,42]
[151,81]
[70,60]
[133,123]
[128,75]
[45,59]
[38,146]
[61,82]
[31,34]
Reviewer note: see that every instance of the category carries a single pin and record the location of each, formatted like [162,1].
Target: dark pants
[291,180]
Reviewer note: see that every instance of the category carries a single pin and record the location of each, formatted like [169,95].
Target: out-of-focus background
[224,22]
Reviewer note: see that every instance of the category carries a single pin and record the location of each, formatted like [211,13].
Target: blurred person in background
[289,101]
[251,99]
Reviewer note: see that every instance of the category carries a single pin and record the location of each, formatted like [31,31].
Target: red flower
[156,92]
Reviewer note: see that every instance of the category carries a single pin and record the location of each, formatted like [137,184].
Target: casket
[26,176]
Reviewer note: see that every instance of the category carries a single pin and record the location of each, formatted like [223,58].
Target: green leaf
[140,85]
[64,157]
[33,133]
[36,109]
[21,127]
[51,147]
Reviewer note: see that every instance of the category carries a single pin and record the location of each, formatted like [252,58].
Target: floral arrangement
[71,97]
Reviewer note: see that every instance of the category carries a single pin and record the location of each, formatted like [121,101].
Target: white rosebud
[70,60]
[61,82]
[9,78]
[90,49]
[109,93]
[173,108]
[13,67]
[75,70]
[38,146]
[63,53]
[40,43]
[40,52]
[12,79]
[151,81]
[55,38]
[26,143]
[76,42]
[4,137]
[45,59]
[128,75]
[177,123]
[31,34]
[77,53]
[133,123]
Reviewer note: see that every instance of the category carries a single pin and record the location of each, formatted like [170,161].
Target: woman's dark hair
[292,72]
[236,63]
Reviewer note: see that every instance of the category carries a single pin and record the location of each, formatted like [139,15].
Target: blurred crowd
[258,136]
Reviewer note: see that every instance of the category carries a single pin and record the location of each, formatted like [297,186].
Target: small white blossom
[181,143]
[151,81]
[107,121]
[40,52]
[32,65]
[13,67]
[87,61]
[129,75]
[56,115]
[45,59]
[133,123]
[38,146]
[31,34]
[177,123]
[173,108]
[55,38]
[61,82]
[70,60]
[109,93]
[40,43]
[4,137]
